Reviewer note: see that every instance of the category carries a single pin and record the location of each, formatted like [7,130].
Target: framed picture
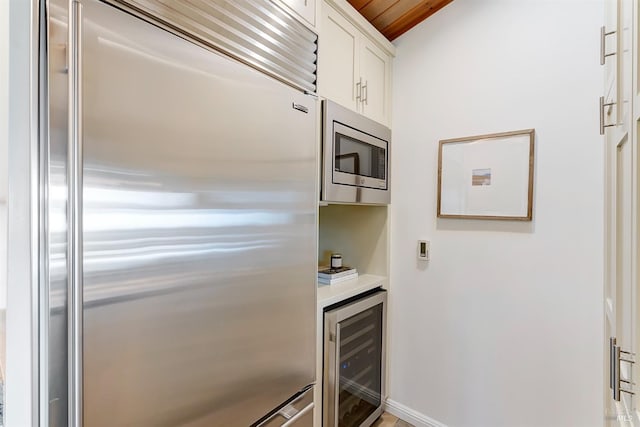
[487,176]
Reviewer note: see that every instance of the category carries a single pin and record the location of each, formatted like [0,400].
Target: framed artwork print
[487,176]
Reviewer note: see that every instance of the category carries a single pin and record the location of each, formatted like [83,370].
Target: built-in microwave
[355,159]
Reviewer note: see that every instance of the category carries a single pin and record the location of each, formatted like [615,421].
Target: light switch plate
[423,250]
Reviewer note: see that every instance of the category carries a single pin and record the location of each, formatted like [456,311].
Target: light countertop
[331,294]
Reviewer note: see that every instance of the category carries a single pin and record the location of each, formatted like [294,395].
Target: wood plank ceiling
[394,17]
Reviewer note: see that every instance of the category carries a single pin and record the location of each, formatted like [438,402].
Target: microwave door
[359,159]
[355,158]
[350,161]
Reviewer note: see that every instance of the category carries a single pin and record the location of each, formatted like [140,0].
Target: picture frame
[487,176]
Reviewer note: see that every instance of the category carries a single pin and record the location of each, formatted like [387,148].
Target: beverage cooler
[354,361]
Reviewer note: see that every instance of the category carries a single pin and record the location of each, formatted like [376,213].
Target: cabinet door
[374,70]
[625,62]
[337,59]
[621,217]
[305,8]
[609,42]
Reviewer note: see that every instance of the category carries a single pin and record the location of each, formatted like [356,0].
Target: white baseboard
[410,416]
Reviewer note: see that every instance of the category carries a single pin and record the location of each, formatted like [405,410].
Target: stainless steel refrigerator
[179,202]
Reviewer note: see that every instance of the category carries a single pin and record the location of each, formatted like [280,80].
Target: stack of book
[330,276]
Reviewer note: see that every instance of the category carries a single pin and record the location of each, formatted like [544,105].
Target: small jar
[336,260]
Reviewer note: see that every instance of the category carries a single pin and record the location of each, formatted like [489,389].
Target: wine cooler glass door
[359,363]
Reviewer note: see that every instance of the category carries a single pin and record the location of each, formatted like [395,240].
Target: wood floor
[388,420]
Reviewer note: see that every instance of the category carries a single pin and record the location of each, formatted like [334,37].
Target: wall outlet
[423,250]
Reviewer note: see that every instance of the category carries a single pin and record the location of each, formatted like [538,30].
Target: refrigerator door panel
[199,216]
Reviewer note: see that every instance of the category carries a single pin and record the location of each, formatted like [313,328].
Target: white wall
[4,95]
[21,350]
[4,116]
[4,119]
[503,327]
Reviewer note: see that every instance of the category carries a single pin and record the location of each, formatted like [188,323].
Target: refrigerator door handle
[293,420]
[74,215]
[293,412]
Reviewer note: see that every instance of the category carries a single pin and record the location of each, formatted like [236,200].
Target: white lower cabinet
[361,235]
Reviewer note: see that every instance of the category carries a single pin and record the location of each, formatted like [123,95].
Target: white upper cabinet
[374,71]
[338,67]
[616,55]
[352,69]
[306,9]
[609,48]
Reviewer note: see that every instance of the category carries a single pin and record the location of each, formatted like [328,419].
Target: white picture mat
[508,193]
